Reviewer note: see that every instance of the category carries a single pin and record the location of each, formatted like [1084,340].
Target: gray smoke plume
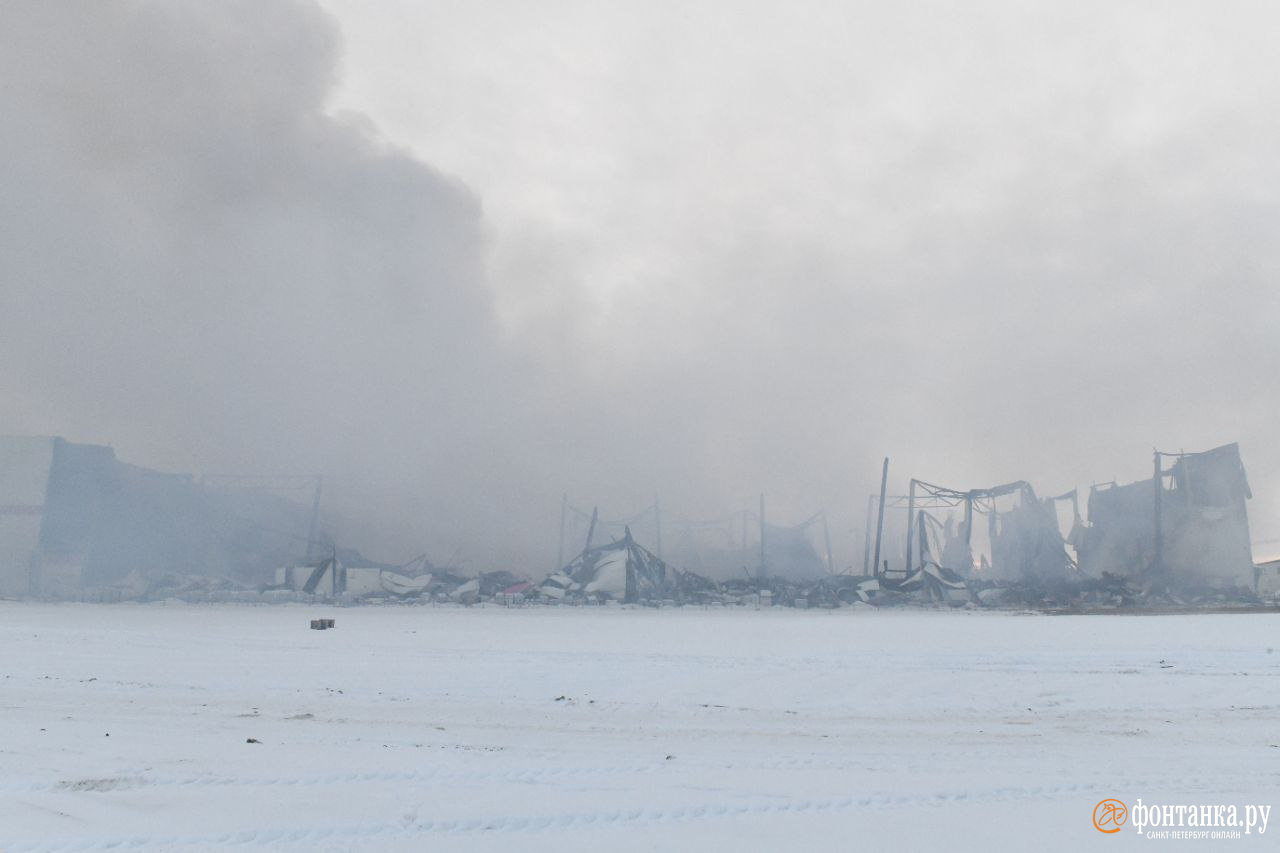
[999,260]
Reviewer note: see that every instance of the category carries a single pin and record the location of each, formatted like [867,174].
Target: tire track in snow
[135,780]
[517,775]
[277,837]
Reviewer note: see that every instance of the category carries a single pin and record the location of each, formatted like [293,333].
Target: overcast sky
[462,257]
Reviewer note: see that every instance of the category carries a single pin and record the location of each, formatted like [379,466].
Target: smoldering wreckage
[75,523]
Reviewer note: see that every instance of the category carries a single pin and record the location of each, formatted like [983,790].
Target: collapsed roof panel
[623,571]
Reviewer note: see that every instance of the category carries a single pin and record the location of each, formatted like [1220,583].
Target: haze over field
[462,257]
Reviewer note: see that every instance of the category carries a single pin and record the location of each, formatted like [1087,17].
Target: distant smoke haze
[463,258]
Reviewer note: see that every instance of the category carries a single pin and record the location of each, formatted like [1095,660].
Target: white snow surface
[438,728]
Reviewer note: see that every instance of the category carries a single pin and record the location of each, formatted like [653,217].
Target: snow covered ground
[622,729]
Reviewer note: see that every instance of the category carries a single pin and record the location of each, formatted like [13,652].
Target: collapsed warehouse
[1182,535]
[76,522]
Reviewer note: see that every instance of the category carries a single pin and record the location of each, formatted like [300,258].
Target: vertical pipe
[884,488]
[657,521]
[1157,564]
[1186,476]
[866,538]
[591,530]
[826,538]
[564,512]
[315,515]
[911,522]
[968,532]
[764,569]
[968,519]
[924,538]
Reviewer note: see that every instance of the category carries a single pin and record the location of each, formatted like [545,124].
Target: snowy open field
[569,729]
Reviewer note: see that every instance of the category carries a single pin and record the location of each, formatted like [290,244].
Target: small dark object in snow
[560,698]
[108,734]
[1164,665]
[322,624]
[252,740]
[669,757]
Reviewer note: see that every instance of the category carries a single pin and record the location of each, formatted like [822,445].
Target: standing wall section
[25,463]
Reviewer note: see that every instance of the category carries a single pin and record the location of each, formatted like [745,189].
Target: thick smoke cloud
[206,270]
[723,249]
[995,241]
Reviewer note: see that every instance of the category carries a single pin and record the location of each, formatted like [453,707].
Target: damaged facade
[1182,535]
[1020,531]
[73,517]
[1186,527]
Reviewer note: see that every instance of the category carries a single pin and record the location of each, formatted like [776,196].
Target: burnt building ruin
[1186,527]
[1184,531]
[1021,538]
[74,517]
